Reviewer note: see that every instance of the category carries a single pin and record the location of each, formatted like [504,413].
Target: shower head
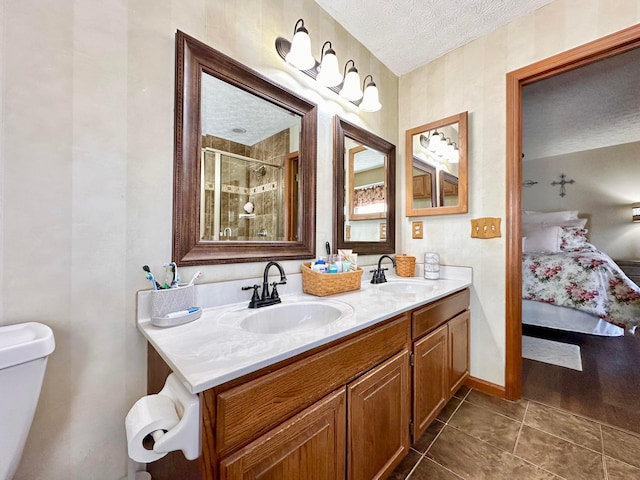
[260,171]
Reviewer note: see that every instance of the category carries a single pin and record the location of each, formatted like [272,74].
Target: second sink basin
[288,317]
[406,287]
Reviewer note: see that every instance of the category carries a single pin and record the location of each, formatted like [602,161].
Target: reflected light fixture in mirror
[635,212]
[325,72]
[436,167]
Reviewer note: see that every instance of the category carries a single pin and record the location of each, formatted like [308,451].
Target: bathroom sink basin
[406,287]
[299,316]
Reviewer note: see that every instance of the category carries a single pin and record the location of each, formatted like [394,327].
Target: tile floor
[478,436]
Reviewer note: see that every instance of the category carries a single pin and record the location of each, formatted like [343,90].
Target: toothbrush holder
[171,300]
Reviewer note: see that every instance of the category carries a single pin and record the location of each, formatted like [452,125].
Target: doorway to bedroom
[607,377]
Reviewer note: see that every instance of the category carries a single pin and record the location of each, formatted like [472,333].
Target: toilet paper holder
[185,435]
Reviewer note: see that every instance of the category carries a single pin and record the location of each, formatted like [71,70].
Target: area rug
[555,353]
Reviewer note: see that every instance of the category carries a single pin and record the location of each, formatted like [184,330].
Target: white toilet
[23,359]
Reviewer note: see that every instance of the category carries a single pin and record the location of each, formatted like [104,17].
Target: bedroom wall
[606,186]
[473,78]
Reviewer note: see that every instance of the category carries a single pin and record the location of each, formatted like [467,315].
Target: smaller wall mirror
[364,166]
[437,166]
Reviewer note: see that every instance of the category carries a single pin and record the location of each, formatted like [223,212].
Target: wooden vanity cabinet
[440,333]
[346,403]
[340,411]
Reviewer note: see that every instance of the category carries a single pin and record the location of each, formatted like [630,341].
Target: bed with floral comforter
[585,279]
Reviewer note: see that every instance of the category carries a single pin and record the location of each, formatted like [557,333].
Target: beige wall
[606,184]
[473,78]
[87,149]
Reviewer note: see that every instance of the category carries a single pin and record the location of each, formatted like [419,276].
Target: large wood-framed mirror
[244,166]
[364,189]
[436,167]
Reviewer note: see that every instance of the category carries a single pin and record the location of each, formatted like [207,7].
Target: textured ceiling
[594,106]
[407,34]
[226,108]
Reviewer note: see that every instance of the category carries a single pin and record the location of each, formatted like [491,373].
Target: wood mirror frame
[193,59]
[462,206]
[343,129]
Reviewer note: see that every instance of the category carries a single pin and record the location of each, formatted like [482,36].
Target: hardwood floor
[608,388]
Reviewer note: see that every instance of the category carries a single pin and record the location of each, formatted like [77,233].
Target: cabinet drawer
[311,445]
[251,409]
[431,316]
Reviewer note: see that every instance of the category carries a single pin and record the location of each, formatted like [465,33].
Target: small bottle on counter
[431,266]
[319,266]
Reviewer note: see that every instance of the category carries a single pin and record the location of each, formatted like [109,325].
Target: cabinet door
[311,445]
[458,351]
[378,419]
[430,378]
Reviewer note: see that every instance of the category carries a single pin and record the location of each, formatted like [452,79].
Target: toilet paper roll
[149,414]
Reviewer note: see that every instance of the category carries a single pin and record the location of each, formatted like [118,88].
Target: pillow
[573,238]
[527,228]
[579,223]
[544,240]
[551,218]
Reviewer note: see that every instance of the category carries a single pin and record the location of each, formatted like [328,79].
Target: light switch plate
[416,229]
[487,227]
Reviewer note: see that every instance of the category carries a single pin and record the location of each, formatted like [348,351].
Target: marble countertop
[215,349]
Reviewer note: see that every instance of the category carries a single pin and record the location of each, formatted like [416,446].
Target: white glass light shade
[454,157]
[300,55]
[434,142]
[635,212]
[329,74]
[370,100]
[351,87]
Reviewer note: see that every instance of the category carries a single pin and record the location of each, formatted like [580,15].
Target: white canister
[431,266]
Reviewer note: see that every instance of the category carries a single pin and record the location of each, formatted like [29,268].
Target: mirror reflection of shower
[242,197]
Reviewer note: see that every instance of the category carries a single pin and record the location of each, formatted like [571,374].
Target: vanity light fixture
[370,99]
[351,86]
[328,72]
[635,212]
[300,55]
[297,53]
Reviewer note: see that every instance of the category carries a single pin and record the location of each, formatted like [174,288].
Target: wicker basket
[405,265]
[323,284]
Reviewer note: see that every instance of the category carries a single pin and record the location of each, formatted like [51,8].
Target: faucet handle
[255,297]
[381,277]
[274,290]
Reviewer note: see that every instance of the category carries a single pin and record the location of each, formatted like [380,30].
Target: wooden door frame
[599,49]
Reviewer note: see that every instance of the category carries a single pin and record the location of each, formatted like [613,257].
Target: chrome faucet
[225,231]
[378,274]
[267,298]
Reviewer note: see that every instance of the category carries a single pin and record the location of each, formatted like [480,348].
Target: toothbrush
[176,278]
[196,275]
[156,285]
[172,267]
[152,280]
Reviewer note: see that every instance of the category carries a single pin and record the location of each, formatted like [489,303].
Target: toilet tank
[24,349]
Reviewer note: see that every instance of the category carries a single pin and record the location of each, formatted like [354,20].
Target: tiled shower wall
[262,187]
